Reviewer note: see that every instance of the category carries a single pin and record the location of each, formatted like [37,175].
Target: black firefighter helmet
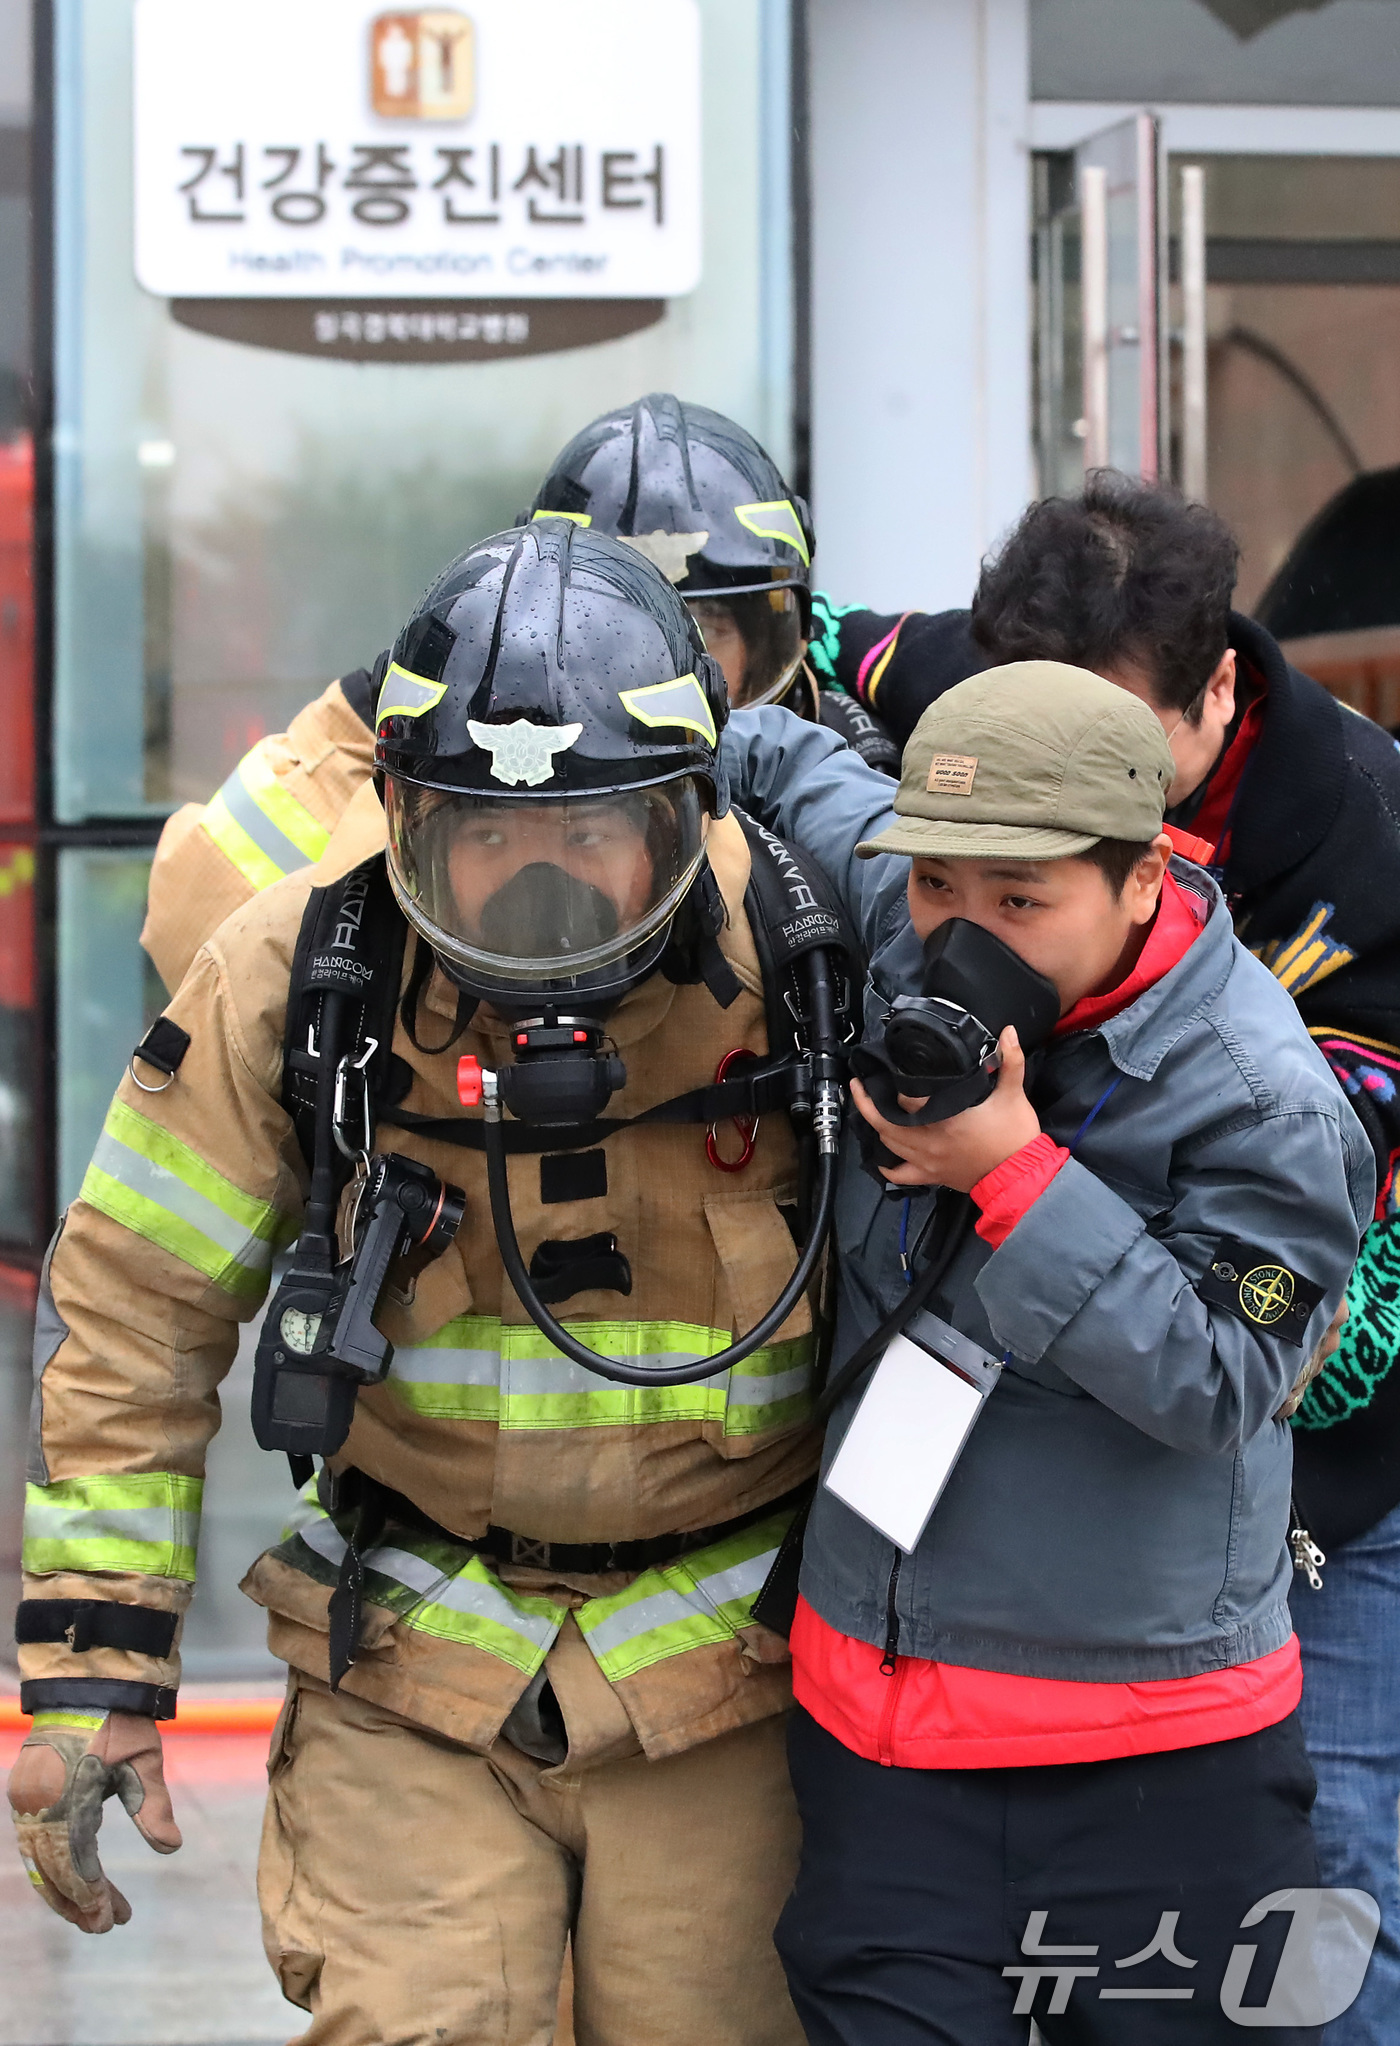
[698,496]
[547,733]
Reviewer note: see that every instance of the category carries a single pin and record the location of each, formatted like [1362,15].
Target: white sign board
[330,148]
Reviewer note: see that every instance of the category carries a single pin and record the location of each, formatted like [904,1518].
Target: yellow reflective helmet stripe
[682,702]
[477,1369]
[406,695]
[260,826]
[776,519]
[579,518]
[150,1182]
[147,1524]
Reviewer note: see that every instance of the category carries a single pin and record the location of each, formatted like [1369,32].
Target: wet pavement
[189,1968]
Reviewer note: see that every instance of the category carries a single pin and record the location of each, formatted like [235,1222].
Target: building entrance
[1231,321]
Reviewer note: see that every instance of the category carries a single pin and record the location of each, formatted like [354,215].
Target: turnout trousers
[949,1907]
[415,1893]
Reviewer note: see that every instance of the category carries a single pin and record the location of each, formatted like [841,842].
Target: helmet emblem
[522,751]
[671,552]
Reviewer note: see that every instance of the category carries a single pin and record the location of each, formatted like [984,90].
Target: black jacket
[1313,882]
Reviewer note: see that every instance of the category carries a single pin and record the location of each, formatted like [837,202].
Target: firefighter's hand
[966,1147]
[64,1773]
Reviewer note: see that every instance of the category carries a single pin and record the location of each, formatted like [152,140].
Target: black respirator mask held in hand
[942,1044]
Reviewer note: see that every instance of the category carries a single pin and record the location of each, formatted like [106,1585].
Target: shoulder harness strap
[351,943]
[792,909]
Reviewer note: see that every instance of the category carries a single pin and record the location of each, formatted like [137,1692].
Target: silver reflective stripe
[767,1392]
[662,1609]
[665,1608]
[50,1332]
[244,809]
[740,1580]
[166,1190]
[325,1538]
[528,1377]
[429,1364]
[459,1594]
[161,1526]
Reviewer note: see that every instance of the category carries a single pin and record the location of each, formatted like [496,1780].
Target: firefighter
[549,1714]
[659,474]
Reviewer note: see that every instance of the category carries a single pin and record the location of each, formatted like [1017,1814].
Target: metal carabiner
[746,1125]
[343,1071]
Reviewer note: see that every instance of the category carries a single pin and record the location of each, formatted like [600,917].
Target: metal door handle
[1193,331]
[1093,293]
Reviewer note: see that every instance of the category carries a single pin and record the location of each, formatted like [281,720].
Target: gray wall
[14,61]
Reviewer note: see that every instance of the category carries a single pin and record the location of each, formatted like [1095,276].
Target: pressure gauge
[300,1330]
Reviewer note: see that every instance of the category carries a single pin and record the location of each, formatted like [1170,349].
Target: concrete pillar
[921,415]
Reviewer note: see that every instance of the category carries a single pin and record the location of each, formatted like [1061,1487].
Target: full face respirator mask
[942,1044]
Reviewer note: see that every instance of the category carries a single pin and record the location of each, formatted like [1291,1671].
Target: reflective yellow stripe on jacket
[703,1598]
[259,825]
[439,1587]
[476,1369]
[146,1179]
[147,1524]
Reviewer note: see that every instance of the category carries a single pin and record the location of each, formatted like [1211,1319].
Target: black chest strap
[793,909]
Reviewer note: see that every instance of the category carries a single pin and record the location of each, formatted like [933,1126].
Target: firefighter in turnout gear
[528,1700]
[683,485]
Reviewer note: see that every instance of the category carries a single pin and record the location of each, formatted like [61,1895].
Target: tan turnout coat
[170,1247]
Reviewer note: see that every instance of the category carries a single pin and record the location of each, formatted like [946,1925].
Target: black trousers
[947,1907]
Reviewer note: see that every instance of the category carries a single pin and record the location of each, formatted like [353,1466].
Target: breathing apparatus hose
[826,1127]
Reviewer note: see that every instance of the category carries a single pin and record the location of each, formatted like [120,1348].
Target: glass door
[1232,322]
[1300,331]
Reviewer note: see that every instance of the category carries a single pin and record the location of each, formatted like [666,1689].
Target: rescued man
[1064,1724]
[1295,802]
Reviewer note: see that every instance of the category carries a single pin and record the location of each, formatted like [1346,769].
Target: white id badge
[909,1429]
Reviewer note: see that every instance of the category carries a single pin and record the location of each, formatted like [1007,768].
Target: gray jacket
[1120,1511]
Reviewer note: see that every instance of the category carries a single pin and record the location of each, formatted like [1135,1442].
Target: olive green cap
[1033,761]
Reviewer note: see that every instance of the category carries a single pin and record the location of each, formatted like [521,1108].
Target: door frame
[1225,130]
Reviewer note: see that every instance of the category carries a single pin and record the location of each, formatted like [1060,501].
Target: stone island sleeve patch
[1259,1288]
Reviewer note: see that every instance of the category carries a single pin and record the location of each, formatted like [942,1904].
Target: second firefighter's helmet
[547,734]
[698,496]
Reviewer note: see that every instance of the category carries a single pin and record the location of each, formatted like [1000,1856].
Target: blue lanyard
[1109,1091]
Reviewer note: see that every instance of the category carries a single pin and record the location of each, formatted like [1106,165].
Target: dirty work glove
[71,1763]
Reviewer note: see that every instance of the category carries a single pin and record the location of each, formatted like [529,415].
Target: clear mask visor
[532,892]
[757,639]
